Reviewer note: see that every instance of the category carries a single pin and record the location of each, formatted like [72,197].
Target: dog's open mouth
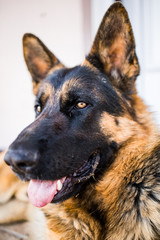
[42,192]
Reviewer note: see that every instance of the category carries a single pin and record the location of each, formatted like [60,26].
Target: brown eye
[81,105]
[38,109]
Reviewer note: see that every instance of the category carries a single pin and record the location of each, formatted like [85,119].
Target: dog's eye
[38,109]
[81,105]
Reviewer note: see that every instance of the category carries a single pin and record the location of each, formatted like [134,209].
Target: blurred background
[68,28]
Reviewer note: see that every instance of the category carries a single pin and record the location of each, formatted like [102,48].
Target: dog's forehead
[78,79]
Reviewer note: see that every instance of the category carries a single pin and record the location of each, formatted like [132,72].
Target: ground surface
[18,229]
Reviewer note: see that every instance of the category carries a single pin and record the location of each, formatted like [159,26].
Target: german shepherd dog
[93,151]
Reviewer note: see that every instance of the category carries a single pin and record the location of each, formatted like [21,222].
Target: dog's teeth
[63,179]
[59,185]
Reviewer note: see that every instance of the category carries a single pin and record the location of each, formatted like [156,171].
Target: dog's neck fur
[130,180]
[126,192]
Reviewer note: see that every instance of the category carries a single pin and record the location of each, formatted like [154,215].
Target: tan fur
[69,221]
[127,127]
[116,53]
[117,197]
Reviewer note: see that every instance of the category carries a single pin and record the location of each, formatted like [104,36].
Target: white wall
[145,18]
[59,24]
[98,9]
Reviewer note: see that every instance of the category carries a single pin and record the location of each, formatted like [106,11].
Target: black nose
[21,160]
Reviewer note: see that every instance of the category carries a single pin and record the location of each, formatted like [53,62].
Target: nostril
[21,160]
[22,165]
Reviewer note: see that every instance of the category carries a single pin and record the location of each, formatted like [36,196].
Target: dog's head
[82,113]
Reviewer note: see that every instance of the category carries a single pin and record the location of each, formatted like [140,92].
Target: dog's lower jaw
[42,192]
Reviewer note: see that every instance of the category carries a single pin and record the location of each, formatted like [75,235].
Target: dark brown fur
[123,202]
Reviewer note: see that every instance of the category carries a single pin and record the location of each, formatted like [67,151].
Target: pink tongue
[41,192]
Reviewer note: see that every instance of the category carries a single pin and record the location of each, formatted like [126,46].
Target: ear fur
[113,50]
[38,58]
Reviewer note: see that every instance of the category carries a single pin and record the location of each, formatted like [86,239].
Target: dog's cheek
[118,129]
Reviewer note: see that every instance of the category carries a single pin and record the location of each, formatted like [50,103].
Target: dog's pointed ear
[113,50]
[38,58]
